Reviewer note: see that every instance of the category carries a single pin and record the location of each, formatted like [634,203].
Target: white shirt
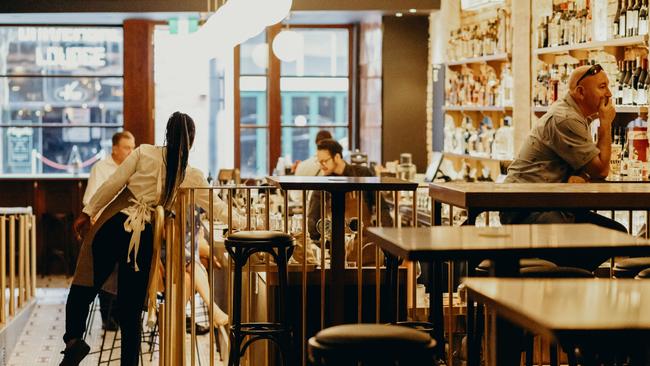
[98,175]
[308,167]
[143,173]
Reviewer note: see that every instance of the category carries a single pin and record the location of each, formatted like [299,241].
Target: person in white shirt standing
[123,145]
[123,235]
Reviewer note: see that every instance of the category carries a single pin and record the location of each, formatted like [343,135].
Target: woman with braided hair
[122,236]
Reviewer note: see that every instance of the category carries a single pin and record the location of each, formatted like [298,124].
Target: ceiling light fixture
[398,14]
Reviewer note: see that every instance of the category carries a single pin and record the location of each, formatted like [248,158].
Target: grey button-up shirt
[557,146]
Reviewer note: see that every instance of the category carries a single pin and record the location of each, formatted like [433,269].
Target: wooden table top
[345,184]
[486,195]
[568,306]
[464,242]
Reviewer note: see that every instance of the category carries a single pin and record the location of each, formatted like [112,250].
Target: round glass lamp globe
[288,45]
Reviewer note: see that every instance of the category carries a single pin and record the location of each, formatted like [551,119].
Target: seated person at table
[560,149]
[329,155]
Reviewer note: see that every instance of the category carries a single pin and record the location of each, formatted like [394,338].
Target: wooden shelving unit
[477,108]
[580,51]
[501,57]
[619,109]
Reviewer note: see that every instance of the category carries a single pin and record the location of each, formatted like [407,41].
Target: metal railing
[267,208]
[18,249]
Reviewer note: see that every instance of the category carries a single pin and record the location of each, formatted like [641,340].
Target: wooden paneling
[138,80]
[405,68]
[56,202]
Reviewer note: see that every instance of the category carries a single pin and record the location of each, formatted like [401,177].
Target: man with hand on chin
[560,148]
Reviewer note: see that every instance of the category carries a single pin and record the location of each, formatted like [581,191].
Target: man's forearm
[605,143]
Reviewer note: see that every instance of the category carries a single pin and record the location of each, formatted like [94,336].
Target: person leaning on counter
[560,148]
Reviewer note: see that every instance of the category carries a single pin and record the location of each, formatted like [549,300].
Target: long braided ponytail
[179,138]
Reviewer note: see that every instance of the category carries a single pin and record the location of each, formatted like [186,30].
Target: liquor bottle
[641,95]
[617,21]
[646,85]
[632,18]
[635,79]
[622,25]
[619,83]
[627,89]
[643,18]
[636,9]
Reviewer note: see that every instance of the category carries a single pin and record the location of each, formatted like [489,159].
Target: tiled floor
[40,343]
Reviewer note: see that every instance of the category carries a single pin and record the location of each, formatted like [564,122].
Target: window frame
[274,98]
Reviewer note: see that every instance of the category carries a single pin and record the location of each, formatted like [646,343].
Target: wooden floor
[41,343]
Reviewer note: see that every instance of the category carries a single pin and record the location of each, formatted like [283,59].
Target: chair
[371,344]
[483,269]
[241,246]
[630,267]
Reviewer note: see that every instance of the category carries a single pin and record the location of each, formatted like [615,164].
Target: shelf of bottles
[486,41]
[479,92]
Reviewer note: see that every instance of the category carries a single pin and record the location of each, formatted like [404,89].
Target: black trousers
[109,247]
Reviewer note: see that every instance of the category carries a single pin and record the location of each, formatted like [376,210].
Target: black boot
[75,351]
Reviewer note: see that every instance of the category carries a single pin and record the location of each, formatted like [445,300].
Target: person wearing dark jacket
[329,157]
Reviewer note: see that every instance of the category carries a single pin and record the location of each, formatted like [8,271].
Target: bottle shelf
[502,57]
[579,50]
[476,108]
[619,109]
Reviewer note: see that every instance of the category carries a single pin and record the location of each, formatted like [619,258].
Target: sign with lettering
[19,149]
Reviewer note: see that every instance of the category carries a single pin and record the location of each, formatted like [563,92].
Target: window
[253,120]
[62,91]
[314,94]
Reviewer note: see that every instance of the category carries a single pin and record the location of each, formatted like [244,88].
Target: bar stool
[643,274]
[483,269]
[371,344]
[241,246]
[630,267]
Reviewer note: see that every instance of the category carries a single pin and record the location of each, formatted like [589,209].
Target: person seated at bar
[123,144]
[560,149]
[329,156]
[311,167]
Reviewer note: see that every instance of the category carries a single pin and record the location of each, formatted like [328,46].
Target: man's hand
[81,225]
[606,111]
[576,179]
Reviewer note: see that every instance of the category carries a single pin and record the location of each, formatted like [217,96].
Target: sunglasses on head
[593,70]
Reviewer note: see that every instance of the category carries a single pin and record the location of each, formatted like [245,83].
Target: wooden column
[138,80]
[521,70]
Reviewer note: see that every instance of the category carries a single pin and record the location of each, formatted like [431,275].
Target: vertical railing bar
[359,257]
[168,292]
[3,267]
[396,223]
[248,209]
[12,265]
[377,264]
[322,259]
[450,317]
[286,212]
[303,300]
[414,274]
[28,260]
[211,270]
[192,276]
[630,222]
[180,272]
[21,260]
[33,243]
[267,207]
